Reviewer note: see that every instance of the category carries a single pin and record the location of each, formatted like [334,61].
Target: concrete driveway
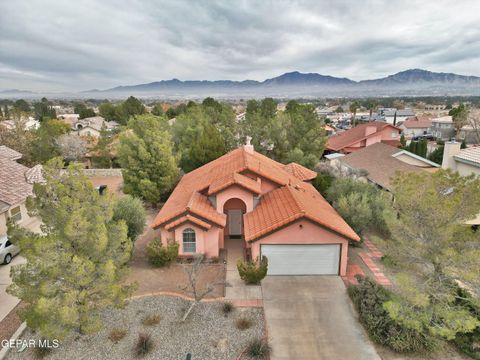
[7,301]
[311,317]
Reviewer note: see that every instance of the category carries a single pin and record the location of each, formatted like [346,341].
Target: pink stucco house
[270,208]
[365,135]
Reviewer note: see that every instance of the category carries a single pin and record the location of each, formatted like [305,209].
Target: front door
[235,222]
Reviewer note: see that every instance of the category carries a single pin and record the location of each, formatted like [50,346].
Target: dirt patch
[173,278]
[11,323]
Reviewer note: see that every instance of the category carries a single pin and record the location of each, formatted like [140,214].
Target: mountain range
[413,82]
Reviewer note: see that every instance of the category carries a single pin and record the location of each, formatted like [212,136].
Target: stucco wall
[234,192]
[207,242]
[466,169]
[3,223]
[304,232]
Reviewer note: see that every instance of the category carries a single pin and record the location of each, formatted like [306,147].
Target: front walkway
[235,289]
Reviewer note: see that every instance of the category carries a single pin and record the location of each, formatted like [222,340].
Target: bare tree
[72,147]
[474,122]
[193,288]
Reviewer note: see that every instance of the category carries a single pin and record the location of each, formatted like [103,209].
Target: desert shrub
[227,307]
[368,298]
[469,343]
[40,352]
[117,334]
[159,255]
[258,349]
[214,260]
[243,323]
[361,204]
[252,272]
[143,345]
[151,319]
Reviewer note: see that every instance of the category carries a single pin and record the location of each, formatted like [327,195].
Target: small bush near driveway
[159,255]
[243,323]
[227,307]
[369,298]
[144,345]
[258,349]
[252,272]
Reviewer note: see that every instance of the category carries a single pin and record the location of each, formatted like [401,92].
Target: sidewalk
[236,290]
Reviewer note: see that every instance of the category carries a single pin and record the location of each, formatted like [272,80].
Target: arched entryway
[234,209]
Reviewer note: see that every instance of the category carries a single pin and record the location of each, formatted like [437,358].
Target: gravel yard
[207,333]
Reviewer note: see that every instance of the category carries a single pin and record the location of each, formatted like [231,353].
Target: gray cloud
[69,46]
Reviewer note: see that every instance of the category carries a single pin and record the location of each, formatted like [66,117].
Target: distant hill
[413,82]
[294,84]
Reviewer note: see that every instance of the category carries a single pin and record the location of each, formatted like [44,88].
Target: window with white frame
[16,214]
[394,134]
[189,243]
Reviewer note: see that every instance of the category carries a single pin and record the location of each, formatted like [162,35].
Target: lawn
[207,333]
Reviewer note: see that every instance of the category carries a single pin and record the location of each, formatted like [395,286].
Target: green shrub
[159,255]
[469,343]
[40,352]
[227,307]
[130,209]
[143,345]
[368,298]
[322,182]
[258,349]
[252,272]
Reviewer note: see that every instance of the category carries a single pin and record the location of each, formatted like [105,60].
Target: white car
[7,250]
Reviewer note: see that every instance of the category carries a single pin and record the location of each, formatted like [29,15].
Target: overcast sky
[60,45]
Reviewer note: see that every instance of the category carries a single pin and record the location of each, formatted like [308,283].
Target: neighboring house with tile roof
[16,184]
[269,207]
[415,126]
[381,162]
[465,161]
[364,135]
[92,126]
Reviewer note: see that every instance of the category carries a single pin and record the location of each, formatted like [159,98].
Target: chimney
[451,148]
[248,147]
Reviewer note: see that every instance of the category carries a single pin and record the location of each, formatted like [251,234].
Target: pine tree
[403,141]
[206,148]
[434,253]
[149,167]
[75,269]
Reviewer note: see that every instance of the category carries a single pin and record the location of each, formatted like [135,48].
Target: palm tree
[353,109]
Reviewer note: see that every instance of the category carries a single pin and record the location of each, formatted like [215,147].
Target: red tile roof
[237,179]
[293,199]
[289,203]
[418,122]
[300,172]
[187,218]
[356,134]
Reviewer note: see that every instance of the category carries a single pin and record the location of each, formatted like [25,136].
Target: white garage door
[302,259]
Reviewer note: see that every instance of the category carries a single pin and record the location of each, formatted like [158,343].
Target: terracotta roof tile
[418,122]
[356,134]
[300,171]
[234,178]
[187,218]
[289,203]
[292,200]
